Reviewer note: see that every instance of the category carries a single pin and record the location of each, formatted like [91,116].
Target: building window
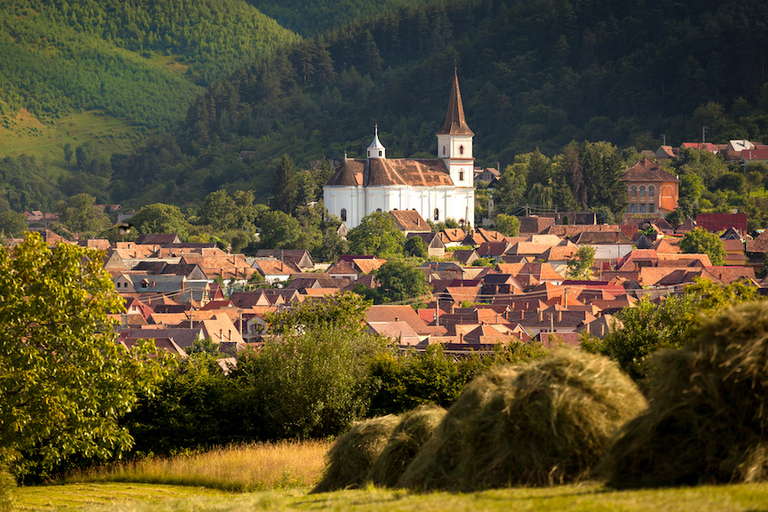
[642,191]
[344,215]
[461,150]
[443,150]
[634,191]
[437,214]
[633,208]
[378,209]
[642,208]
[651,191]
[651,208]
[461,175]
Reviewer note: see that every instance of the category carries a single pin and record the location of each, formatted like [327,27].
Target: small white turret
[376,149]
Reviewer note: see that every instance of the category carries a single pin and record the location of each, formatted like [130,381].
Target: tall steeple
[455,123]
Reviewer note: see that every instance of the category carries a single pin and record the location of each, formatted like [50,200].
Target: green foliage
[311,382]
[346,310]
[701,241]
[401,283]
[224,212]
[66,381]
[507,225]
[12,224]
[79,215]
[648,327]
[580,266]
[416,247]
[161,218]
[377,234]
[196,406]
[281,231]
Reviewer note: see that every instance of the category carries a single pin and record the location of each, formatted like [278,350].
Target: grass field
[164,498]
[27,135]
[283,476]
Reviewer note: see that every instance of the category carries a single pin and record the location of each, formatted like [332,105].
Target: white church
[439,189]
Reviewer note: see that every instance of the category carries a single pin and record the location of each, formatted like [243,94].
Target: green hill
[109,72]
[534,74]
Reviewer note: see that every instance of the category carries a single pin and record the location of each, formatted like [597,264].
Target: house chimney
[221,335]
[602,329]
[461,337]
[397,319]
[541,316]
[559,316]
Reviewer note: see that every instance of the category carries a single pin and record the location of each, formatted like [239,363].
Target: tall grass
[240,468]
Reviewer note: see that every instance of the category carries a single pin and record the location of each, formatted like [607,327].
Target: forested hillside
[137,65]
[311,17]
[538,73]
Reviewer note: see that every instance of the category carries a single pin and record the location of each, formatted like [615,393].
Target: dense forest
[312,17]
[141,60]
[534,74]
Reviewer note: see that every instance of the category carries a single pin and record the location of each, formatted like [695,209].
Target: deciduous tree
[701,241]
[65,380]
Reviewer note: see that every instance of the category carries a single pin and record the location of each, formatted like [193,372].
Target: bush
[706,421]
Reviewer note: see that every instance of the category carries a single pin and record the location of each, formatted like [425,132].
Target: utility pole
[703,134]
[663,139]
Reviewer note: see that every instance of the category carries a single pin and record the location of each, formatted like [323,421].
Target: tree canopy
[65,381]
[376,234]
[701,241]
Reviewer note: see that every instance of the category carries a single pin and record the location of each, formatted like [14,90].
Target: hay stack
[352,455]
[414,430]
[436,465]
[708,416]
[551,425]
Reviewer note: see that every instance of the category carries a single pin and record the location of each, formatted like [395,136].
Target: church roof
[392,171]
[455,123]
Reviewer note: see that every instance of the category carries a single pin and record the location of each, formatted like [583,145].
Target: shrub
[706,421]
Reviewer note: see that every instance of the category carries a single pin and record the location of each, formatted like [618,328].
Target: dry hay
[414,430]
[708,415]
[552,424]
[436,465]
[352,455]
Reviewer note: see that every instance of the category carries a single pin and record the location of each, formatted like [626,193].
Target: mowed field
[587,497]
[281,477]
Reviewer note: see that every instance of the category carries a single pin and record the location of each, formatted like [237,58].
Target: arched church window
[378,210]
[443,150]
[437,214]
[461,150]
[344,214]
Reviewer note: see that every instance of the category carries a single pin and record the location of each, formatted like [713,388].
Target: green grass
[589,497]
[45,141]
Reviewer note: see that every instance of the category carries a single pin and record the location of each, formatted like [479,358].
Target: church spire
[455,124]
[376,149]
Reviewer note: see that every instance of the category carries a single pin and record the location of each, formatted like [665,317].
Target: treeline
[310,18]
[533,75]
[140,60]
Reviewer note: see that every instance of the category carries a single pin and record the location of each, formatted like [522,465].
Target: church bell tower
[454,140]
